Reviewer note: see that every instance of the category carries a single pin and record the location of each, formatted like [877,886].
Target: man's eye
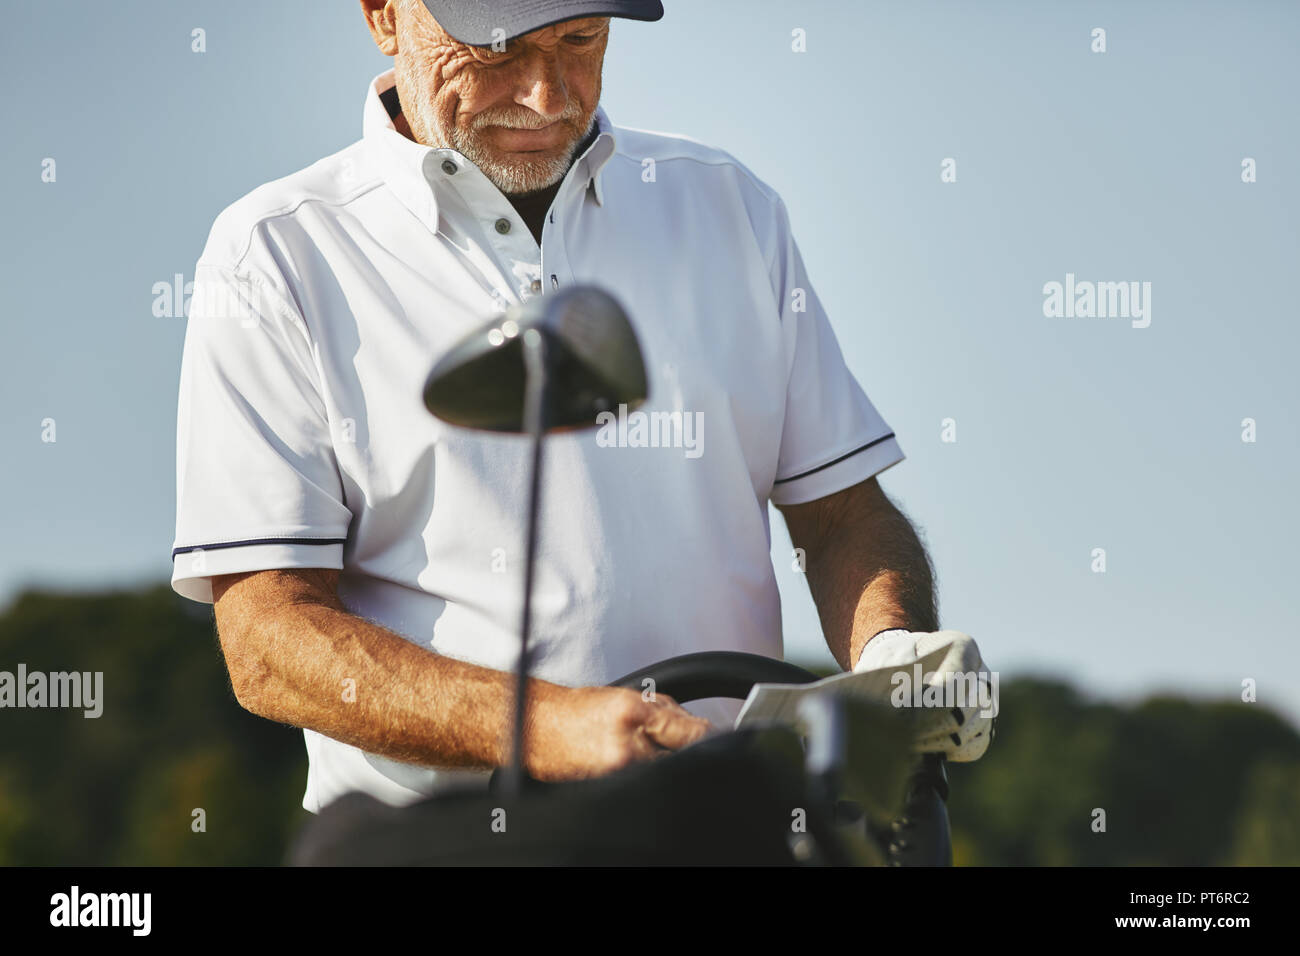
[581,39]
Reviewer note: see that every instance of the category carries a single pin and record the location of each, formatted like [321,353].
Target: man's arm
[290,646]
[865,565]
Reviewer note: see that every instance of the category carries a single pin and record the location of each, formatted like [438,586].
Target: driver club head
[593,364]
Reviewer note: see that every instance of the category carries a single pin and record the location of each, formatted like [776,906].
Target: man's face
[519,114]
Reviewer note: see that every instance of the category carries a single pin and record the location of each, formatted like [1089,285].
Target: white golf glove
[957,714]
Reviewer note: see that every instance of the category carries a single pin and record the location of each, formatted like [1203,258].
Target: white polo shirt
[322,300]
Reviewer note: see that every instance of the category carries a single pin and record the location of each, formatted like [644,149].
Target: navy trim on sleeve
[254,541]
[870,444]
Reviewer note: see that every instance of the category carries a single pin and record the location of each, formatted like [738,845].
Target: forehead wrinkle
[451,60]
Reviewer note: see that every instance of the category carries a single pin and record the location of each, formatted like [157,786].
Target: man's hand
[960,728]
[577,732]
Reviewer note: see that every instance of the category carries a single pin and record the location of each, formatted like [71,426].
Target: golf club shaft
[535,398]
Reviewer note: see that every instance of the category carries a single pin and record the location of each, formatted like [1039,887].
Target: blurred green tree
[1268,827]
[122,788]
[1180,781]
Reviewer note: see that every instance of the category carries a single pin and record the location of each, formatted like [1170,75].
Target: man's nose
[541,84]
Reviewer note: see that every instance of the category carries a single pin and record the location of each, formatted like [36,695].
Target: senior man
[364,558]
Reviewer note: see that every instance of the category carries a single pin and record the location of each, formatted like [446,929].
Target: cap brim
[482,24]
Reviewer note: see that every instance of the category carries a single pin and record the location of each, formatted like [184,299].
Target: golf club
[550,364]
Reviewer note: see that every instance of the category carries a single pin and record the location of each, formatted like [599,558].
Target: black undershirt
[532,208]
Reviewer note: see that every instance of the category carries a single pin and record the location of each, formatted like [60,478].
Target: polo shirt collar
[409,168]
[598,154]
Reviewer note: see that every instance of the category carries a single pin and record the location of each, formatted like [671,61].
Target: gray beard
[525,176]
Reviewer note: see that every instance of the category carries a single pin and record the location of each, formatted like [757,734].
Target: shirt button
[537,285]
[449,167]
[503,226]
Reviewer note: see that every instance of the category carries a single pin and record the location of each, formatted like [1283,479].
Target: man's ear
[381,17]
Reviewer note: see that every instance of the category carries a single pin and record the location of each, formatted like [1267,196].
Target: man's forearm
[876,576]
[296,655]
[867,570]
[325,669]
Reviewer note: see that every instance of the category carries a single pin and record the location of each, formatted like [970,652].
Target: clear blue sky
[1072,434]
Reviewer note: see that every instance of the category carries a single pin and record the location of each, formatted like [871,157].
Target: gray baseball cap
[473,21]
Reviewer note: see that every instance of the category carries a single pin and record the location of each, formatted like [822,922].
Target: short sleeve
[832,436]
[257,484]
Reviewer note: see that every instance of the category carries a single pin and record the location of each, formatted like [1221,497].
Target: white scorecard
[954,708]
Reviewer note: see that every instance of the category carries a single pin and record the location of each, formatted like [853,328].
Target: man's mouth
[528,140]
